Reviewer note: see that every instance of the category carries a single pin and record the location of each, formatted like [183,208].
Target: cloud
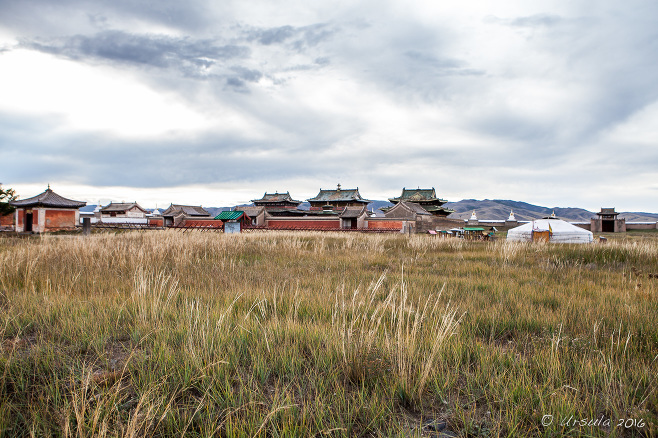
[532,21]
[229,59]
[469,98]
[153,50]
[271,36]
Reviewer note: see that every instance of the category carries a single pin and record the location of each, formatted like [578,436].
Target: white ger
[549,230]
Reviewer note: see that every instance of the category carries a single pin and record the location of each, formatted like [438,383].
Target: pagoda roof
[417,208]
[607,212]
[285,211]
[353,212]
[410,207]
[121,206]
[339,194]
[252,211]
[417,195]
[277,197]
[435,208]
[48,199]
[189,210]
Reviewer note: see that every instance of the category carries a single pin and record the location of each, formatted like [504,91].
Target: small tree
[6,196]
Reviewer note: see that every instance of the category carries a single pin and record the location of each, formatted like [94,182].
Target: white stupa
[473,220]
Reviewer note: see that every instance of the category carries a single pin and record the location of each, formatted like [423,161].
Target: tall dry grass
[303,334]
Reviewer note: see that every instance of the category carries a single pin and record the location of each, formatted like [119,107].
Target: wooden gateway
[47,211]
[607,221]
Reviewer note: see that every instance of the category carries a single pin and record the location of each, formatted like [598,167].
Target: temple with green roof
[337,200]
[426,198]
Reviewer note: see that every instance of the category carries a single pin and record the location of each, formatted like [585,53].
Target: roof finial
[48,186]
[338,190]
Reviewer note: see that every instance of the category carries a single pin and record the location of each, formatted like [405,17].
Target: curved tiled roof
[230,215]
[417,195]
[277,197]
[48,199]
[189,210]
[353,212]
[121,206]
[339,195]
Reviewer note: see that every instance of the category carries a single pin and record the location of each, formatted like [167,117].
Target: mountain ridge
[499,209]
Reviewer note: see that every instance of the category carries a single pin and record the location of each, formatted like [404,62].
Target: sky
[215,103]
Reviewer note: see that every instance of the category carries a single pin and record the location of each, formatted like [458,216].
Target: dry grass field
[302,334]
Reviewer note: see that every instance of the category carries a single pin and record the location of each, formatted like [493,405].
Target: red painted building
[7,220]
[47,211]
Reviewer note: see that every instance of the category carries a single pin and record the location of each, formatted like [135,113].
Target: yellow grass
[325,334]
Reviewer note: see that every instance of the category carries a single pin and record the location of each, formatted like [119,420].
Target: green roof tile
[229,215]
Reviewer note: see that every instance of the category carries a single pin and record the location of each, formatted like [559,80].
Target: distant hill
[639,217]
[499,209]
[88,208]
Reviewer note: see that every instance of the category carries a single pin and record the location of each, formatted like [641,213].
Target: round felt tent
[549,230]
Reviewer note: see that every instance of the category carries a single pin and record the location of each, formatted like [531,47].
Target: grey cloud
[57,18]
[445,66]
[536,20]
[532,21]
[603,56]
[98,20]
[101,159]
[236,84]
[314,35]
[154,50]
[298,38]
[247,74]
[274,35]
[225,60]
[239,77]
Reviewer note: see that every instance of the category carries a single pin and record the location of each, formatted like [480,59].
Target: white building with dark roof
[123,210]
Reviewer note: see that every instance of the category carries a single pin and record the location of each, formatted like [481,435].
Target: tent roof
[561,231]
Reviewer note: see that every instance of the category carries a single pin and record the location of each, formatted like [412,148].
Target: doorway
[541,236]
[608,226]
[28,221]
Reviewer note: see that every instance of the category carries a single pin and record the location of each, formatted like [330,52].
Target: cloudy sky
[214,103]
